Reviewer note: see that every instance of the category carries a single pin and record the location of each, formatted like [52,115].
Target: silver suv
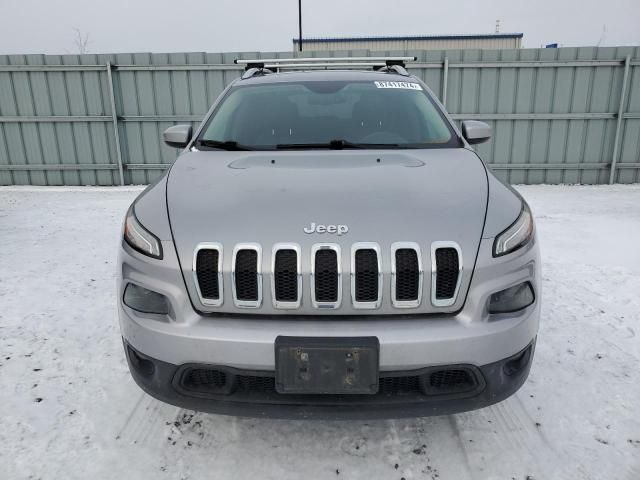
[329,245]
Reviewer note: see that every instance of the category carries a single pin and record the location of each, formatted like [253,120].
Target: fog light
[144,300]
[512,299]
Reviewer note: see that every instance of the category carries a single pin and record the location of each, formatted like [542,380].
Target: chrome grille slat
[406,275]
[200,265]
[246,275]
[446,272]
[286,276]
[366,275]
[445,295]
[326,275]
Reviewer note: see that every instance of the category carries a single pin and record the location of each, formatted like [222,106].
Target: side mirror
[177,136]
[475,132]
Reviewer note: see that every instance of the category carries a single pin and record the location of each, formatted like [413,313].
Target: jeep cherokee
[329,245]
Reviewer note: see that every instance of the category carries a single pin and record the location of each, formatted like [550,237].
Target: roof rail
[278,64]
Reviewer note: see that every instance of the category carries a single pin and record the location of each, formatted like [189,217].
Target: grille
[399,385]
[285,276]
[252,383]
[203,381]
[450,381]
[207,273]
[326,276]
[366,273]
[201,378]
[407,275]
[447,271]
[246,275]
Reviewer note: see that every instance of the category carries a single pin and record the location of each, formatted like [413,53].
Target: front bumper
[406,342]
[493,383]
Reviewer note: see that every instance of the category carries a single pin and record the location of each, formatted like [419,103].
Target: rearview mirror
[177,136]
[475,132]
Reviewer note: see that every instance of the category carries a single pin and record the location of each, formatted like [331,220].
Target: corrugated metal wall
[557,114]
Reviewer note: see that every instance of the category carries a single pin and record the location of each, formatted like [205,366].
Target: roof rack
[268,65]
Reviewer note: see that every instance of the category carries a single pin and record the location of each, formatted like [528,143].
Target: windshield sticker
[406,85]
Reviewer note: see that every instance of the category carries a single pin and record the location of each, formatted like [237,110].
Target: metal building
[492,41]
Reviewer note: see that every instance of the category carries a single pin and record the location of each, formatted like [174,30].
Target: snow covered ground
[69,409]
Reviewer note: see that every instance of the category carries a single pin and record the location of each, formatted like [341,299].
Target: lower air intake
[204,381]
[441,382]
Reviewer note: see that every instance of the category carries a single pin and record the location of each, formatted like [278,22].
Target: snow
[71,410]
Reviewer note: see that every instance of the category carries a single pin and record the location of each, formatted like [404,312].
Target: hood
[420,196]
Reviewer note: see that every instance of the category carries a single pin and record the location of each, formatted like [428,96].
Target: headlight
[512,299]
[517,235]
[144,300]
[139,237]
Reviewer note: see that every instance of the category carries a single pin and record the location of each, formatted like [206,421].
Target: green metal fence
[569,115]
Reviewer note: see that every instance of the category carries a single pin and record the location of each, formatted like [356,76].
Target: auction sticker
[405,85]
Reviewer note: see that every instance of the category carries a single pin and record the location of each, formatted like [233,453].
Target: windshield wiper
[223,145]
[334,145]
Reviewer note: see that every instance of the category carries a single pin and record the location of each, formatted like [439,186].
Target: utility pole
[299,25]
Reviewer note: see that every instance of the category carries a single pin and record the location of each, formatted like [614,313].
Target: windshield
[327,114]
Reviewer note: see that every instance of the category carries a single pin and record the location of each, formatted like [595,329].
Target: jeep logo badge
[319,228]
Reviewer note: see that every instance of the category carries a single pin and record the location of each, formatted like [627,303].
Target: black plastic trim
[501,380]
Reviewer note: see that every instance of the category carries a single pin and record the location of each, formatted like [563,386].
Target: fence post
[445,77]
[616,139]
[114,120]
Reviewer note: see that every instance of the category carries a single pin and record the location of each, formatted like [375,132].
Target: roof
[479,36]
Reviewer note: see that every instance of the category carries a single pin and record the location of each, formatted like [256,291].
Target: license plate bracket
[327,365]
